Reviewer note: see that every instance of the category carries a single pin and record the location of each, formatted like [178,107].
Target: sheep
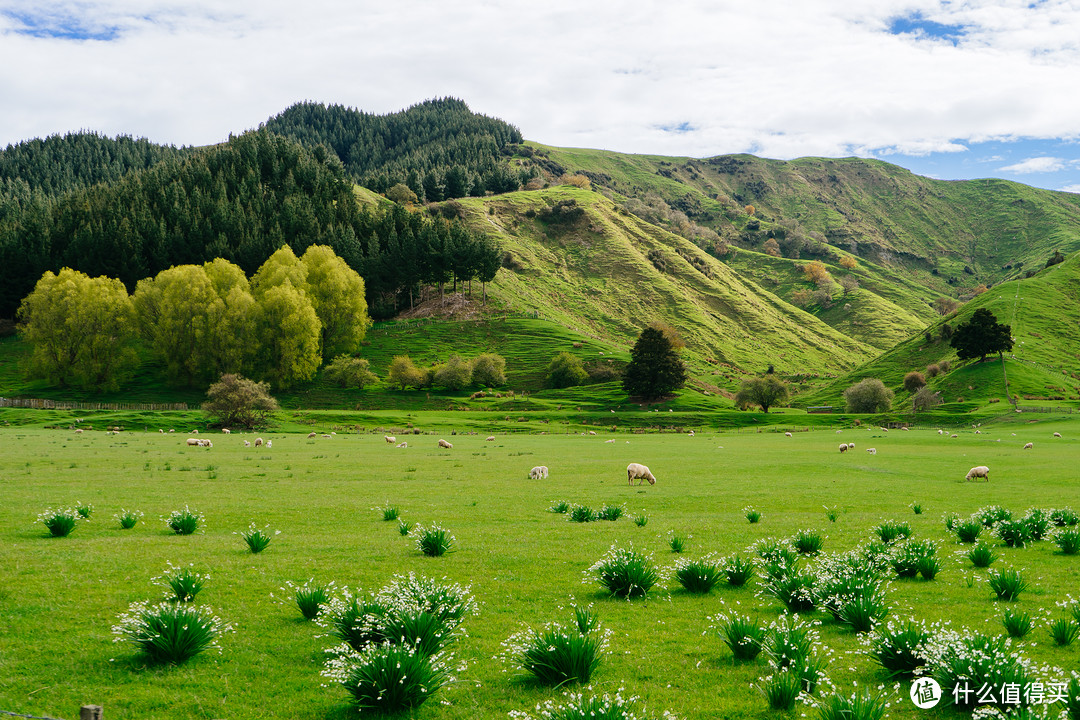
[609,441]
[904,429]
[954,435]
[325,435]
[839,431]
[1057,434]
[641,472]
[402,444]
[787,434]
[172,430]
[539,472]
[691,433]
[247,443]
[312,434]
[161,431]
[592,432]
[1029,446]
[843,447]
[390,439]
[872,451]
[195,432]
[940,432]
[980,471]
[193,442]
[78,430]
[258,442]
[226,431]
[207,443]
[444,444]
[490,438]
[269,444]
[851,446]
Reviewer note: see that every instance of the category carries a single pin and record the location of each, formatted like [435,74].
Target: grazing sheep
[194,432]
[207,443]
[193,442]
[787,434]
[980,471]
[851,446]
[904,429]
[269,444]
[636,470]
[592,432]
[312,434]
[838,432]
[540,472]
[1057,435]
[227,431]
[247,443]
[444,444]
[161,431]
[78,430]
[325,435]
[390,439]
[490,437]
[258,442]
[872,451]
[609,441]
[402,444]
[843,447]
[954,435]
[1029,446]
[691,433]
[171,430]
[940,432]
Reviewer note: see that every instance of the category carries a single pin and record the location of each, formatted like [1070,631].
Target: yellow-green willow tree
[81,330]
[337,293]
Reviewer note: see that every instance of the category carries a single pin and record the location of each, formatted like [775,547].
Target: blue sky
[953,90]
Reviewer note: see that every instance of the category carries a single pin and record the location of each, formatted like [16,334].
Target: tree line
[199,321]
[240,202]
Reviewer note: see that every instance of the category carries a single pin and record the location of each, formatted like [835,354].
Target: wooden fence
[40,404]
[1044,409]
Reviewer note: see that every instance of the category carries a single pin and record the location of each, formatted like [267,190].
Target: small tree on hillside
[349,372]
[914,380]
[945,305]
[981,335]
[489,370]
[868,396]
[766,391]
[565,370]
[235,400]
[404,373]
[454,374]
[925,399]
[655,367]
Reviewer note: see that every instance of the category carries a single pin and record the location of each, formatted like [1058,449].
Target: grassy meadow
[59,597]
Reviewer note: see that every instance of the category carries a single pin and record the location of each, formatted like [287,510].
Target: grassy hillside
[1044,314]
[600,276]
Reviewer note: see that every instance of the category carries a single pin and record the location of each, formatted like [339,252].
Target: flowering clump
[433,541]
[309,597]
[852,589]
[60,521]
[170,632]
[388,678]
[625,572]
[256,539]
[743,635]
[576,706]
[128,518]
[899,647]
[699,576]
[969,661]
[184,522]
[181,584]
[557,655]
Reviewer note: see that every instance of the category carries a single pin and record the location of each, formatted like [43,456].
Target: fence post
[90,712]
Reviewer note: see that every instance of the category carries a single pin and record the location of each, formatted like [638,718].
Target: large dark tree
[981,335]
[655,367]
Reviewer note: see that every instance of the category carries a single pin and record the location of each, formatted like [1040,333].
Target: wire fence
[42,404]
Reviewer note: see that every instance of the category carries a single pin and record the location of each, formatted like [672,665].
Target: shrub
[1014,533]
[1017,622]
[404,373]
[738,570]
[981,555]
[916,508]
[892,530]
[235,400]
[85,510]
[782,689]
[581,514]
[489,370]
[641,520]
[676,542]
[868,396]
[184,522]
[128,518]
[565,370]
[1068,540]
[610,512]
[793,587]
[181,584]
[256,539]
[454,374]
[926,399]
[751,514]
[1038,522]
[807,542]
[310,597]
[390,512]
[1063,631]
[698,576]
[741,634]
[60,521]
[967,531]
[860,706]
[625,572]
[928,566]
[560,507]
[1063,517]
[556,655]
[170,632]
[387,678]
[851,588]
[433,541]
[350,372]
[972,660]
[1007,584]
[913,381]
[404,528]
[992,515]
[899,649]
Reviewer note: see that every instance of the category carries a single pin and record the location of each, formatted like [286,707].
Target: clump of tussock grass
[625,572]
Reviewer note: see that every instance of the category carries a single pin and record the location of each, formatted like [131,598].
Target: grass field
[59,597]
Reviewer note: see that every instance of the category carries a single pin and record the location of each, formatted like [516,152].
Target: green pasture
[59,597]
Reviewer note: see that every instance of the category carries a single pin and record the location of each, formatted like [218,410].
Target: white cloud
[819,77]
[1035,165]
[1071,189]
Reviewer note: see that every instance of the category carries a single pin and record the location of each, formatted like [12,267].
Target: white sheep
[172,430]
[691,433]
[609,441]
[258,442]
[402,444]
[940,432]
[904,429]
[269,444]
[872,451]
[78,431]
[980,471]
[843,447]
[787,434]
[226,431]
[1029,446]
[954,435]
[390,439]
[312,434]
[636,470]
[490,438]
[592,432]
[247,443]
[161,431]
[851,446]
[325,435]
[1057,434]
[444,444]
[839,431]
[207,443]
[193,442]
[540,472]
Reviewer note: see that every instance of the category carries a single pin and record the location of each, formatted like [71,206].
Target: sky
[952,90]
